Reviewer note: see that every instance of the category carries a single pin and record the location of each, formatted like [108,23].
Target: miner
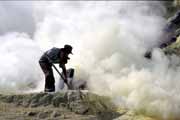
[54,56]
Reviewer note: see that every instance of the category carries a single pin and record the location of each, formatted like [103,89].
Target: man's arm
[64,71]
[62,65]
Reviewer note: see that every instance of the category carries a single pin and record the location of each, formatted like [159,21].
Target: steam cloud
[109,40]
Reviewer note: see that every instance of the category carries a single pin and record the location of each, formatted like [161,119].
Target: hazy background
[109,40]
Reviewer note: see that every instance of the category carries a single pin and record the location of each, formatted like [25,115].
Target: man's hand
[65,80]
[148,55]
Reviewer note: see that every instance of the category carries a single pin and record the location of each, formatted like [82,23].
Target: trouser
[49,77]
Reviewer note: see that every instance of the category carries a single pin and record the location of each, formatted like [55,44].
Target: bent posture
[54,56]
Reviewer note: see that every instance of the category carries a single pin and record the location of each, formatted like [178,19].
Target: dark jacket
[52,55]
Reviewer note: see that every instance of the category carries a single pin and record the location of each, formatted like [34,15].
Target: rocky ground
[67,105]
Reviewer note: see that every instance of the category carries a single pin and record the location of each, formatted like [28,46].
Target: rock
[18,99]
[55,114]
[35,99]
[59,98]
[46,99]
[31,113]
[78,108]
[63,105]
[74,96]
[82,111]
[43,115]
[75,102]
[7,99]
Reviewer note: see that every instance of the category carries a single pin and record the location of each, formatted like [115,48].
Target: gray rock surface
[69,105]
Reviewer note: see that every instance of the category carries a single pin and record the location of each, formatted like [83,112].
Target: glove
[65,80]
[148,55]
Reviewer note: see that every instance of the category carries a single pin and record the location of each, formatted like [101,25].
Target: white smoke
[109,40]
[19,70]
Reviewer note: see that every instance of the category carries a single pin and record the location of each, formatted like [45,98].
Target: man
[54,55]
[171,32]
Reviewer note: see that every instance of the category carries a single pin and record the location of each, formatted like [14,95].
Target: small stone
[32,113]
[46,100]
[8,99]
[43,115]
[60,98]
[63,105]
[55,114]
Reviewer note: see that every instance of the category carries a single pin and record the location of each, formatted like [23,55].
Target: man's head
[68,49]
[65,52]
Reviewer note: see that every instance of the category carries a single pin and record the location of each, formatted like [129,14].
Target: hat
[68,48]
